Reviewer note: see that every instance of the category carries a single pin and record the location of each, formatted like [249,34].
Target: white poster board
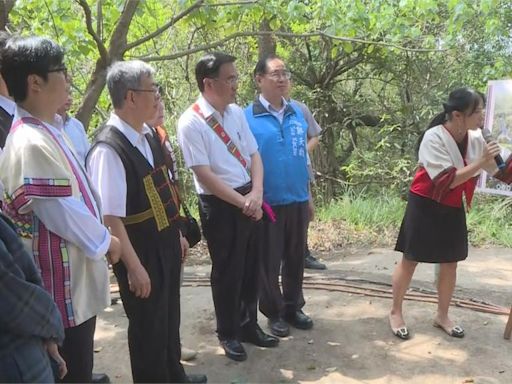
[498,120]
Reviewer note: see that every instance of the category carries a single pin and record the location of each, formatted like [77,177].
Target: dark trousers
[234,244]
[78,350]
[284,243]
[153,329]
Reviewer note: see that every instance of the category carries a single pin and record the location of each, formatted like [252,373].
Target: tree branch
[281,34]
[55,30]
[88,22]
[198,4]
[118,40]
[166,26]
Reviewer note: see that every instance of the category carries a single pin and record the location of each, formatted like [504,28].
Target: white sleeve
[108,176]
[433,155]
[192,143]
[70,219]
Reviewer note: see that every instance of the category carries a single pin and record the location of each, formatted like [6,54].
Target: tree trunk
[5,8]
[94,89]
[266,43]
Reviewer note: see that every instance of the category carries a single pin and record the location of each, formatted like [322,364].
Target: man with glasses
[222,153]
[280,130]
[127,165]
[50,200]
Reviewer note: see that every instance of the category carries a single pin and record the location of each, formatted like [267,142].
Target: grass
[361,219]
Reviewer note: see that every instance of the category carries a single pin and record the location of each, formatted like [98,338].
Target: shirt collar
[269,107]
[7,104]
[19,113]
[133,136]
[207,109]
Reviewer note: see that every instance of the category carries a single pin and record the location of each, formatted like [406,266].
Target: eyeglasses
[62,69]
[156,90]
[276,75]
[231,81]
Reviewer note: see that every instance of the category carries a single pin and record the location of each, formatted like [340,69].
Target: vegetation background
[374,72]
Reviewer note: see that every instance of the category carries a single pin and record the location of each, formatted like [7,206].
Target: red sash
[223,135]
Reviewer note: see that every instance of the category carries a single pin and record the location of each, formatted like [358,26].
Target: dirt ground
[351,341]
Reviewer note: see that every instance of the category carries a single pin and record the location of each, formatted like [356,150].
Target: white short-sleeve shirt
[202,146]
[76,132]
[107,171]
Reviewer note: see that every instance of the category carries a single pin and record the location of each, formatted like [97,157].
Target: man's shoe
[310,262]
[100,378]
[299,320]
[197,379]
[257,337]
[278,327]
[234,349]
[187,354]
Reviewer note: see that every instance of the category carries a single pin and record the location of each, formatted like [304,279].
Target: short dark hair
[208,66]
[24,56]
[261,65]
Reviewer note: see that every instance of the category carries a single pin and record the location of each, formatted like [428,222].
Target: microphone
[488,138]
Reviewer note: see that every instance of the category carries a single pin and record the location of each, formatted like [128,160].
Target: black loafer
[257,337]
[100,378]
[197,379]
[299,320]
[310,262]
[278,327]
[234,349]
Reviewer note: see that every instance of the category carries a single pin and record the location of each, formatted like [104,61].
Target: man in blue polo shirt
[280,130]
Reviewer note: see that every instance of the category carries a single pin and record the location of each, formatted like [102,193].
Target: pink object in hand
[268,210]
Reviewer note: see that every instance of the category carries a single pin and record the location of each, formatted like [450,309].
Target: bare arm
[254,199]
[313,143]
[462,175]
[140,284]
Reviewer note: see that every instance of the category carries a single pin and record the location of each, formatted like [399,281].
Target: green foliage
[380,216]
[373,80]
[489,221]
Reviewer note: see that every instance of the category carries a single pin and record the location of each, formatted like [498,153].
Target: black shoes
[310,262]
[100,378]
[299,320]
[234,349]
[196,379]
[257,337]
[278,327]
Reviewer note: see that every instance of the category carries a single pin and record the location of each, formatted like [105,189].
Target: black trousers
[284,242]
[78,351]
[153,329]
[234,244]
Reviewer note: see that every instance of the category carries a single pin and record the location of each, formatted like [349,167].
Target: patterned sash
[223,135]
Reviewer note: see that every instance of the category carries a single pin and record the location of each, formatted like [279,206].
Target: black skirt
[432,232]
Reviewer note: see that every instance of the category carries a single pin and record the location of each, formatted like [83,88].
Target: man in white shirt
[50,200]
[73,127]
[228,174]
[127,165]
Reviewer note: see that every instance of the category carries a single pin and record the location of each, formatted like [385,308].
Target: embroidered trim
[53,260]
[156,203]
[138,217]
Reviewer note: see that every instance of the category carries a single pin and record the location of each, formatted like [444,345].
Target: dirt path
[351,341]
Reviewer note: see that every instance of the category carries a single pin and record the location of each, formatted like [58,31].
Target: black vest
[5,125]
[150,200]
